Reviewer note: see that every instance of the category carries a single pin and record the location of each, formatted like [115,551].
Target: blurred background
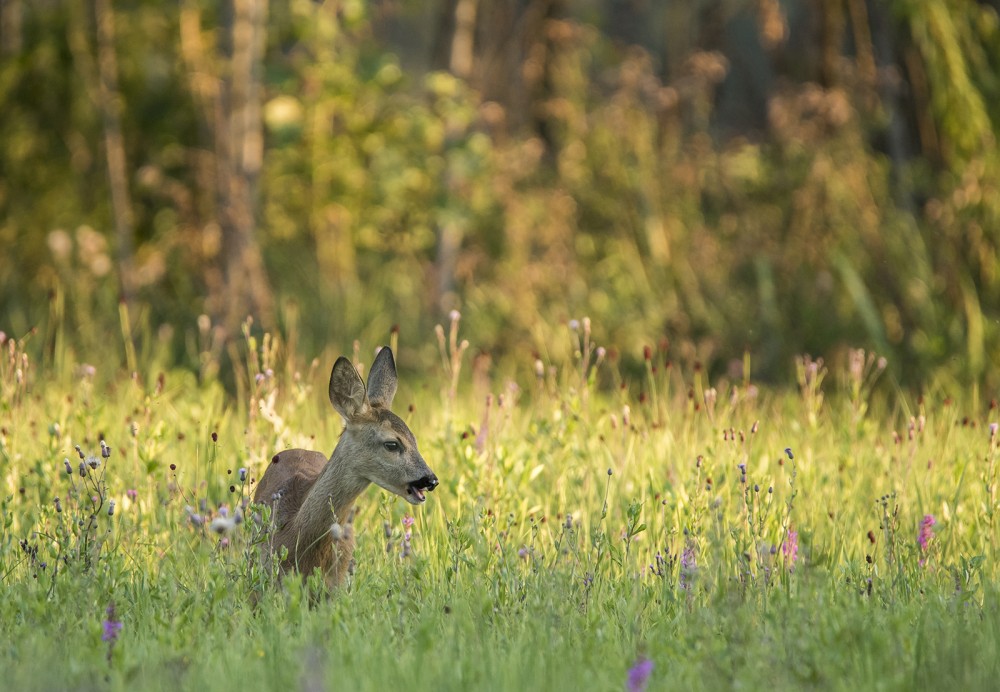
[768,176]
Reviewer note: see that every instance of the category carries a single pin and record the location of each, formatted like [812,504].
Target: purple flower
[111,626]
[926,531]
[689,565]
[638,674]
[408,521]
[790,548]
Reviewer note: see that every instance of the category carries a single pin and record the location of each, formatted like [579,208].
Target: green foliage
[839,536]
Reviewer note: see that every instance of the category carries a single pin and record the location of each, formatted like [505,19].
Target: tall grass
[837,536]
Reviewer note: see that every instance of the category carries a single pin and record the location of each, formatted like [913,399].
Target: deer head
[376,444]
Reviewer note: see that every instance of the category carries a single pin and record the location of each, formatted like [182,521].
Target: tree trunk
[227,90]
[463,40]
[240,151]
[110,104]
[11,24]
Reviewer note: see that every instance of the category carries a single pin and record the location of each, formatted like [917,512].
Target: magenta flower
[790,548]
[638,674]
[926,531]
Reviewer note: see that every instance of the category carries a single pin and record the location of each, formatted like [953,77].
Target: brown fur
[312,497]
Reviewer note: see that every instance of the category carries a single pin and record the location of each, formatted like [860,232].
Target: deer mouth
[416,492]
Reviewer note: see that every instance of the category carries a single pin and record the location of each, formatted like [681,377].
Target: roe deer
[312,497]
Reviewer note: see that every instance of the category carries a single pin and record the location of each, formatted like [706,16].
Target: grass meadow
[592,530]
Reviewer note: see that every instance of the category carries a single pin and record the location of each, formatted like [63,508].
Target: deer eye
[391,445]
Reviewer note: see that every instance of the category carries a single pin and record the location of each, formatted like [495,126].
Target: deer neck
[332,496]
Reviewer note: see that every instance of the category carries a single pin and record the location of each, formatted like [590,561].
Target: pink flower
[408,521]
[790,548]
[926,531]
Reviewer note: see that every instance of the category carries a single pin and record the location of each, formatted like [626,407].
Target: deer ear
[347,391]
[382,379]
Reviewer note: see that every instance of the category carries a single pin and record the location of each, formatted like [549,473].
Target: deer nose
[428,482]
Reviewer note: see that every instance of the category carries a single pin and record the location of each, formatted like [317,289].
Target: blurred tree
[224,77]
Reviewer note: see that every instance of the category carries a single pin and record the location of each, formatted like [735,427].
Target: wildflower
[574,325]
[243,474]
[112,627]
[111,508]
[195,518]
[638,674]
[788,451]
[132,494]
[454,315]
[790,548]
[689,565]
[93,462]
[223,523]
[69,469]
[408,521]
[522,553]
[105,449]
[926,531]
[83,470]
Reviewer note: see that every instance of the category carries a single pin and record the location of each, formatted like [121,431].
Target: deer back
[286,482]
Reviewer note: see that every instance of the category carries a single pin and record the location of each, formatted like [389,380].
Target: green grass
[584,523]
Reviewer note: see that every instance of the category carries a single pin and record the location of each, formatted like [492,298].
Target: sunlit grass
[837,536]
